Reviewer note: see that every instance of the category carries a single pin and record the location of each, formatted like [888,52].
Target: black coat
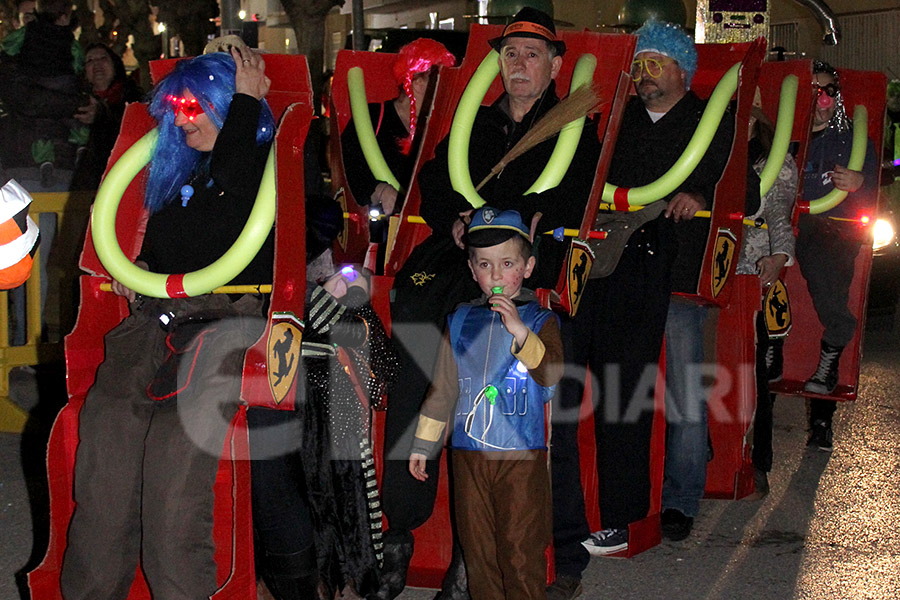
[646,150]
[493,134]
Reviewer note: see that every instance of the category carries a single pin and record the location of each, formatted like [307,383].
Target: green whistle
[490,392]
[497,289]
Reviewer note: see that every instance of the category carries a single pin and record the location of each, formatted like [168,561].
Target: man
[435,278]
[25,13]
[618,330]
[827,248]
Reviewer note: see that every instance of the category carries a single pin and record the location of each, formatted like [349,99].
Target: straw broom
[578,104]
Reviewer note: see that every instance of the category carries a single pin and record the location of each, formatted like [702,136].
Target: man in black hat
[435,278]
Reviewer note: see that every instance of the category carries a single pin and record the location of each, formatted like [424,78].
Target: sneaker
[675,524]
[565,587]
[825,379]
[821,435]
[606,541]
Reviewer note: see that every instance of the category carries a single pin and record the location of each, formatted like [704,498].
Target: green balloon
[634,12]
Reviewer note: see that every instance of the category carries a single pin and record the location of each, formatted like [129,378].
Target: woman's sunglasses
[829,90]
[191,109]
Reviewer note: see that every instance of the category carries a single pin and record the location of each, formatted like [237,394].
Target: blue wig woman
[211,80]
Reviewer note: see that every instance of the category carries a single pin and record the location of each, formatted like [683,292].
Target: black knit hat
[531,23]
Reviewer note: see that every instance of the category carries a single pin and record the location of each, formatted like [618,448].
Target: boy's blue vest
[514,420]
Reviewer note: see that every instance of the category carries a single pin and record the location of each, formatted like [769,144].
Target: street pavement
[828,529]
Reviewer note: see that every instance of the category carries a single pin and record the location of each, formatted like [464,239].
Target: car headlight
[882,233]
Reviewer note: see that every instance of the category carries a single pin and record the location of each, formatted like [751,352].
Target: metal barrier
[44,332]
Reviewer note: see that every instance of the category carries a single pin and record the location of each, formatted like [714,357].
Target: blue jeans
[686,414]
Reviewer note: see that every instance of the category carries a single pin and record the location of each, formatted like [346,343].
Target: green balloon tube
[781,140]
[570,135]
[362,122]
[857,158]
[696,148]
[461,128]
[223,270]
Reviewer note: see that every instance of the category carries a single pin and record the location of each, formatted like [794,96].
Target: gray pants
[144,470]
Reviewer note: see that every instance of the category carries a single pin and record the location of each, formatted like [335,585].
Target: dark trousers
[617,334]
[502,506]
[144,470]
[763,419]
[827,262]
[281,515]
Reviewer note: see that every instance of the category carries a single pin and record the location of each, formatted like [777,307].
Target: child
[499,362]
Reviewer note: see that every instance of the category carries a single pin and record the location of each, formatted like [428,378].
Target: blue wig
[669,40]
[210,78]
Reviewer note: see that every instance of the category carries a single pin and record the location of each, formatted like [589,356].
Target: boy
[499,362]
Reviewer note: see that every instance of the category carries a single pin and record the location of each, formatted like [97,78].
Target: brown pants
[503,516]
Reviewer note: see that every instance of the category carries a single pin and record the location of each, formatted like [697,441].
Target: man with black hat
[435,278]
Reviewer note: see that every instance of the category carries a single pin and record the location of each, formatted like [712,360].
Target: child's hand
[510,316]
[417,466]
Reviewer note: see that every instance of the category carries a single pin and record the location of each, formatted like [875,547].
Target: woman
[112,90]
[150,440]
[395,125]
[766,252]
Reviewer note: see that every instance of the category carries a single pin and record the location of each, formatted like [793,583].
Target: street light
[165,40]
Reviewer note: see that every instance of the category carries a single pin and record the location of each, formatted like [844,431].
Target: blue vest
[514,419]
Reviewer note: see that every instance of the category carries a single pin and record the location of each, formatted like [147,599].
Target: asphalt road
[828,529]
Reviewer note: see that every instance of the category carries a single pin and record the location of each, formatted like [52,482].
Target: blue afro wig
[210,78]
[669,40]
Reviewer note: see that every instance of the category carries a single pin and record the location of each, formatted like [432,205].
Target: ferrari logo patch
[726,244]
[778,310]
[283,353]
[581,258]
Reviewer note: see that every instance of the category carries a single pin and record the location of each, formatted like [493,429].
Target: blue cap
[669,40]
[491,226]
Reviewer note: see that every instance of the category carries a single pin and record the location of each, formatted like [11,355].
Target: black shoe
[821,435]
[398,550]
[455,585]
[825,379]
[291,576]
[565,587]
[675,524]
[760,485]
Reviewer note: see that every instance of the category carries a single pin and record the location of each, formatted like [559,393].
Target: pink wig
[417,57]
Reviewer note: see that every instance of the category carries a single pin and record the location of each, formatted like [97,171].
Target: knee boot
[455,585]
[398,549]
[291,576]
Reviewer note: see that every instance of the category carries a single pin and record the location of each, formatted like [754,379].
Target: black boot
[398,550]
[291,576]
[775,359]
[825,379]
[456,584]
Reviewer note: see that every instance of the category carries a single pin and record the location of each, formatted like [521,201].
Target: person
[500,359]
[434,279]
[631,303]
[47,107]
[24,13]
[891,170]
[150,439]
[827,248]
[395,124]
[105,72]
[765,252]
[316,510]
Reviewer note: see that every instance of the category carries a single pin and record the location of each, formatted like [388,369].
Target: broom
[576,105]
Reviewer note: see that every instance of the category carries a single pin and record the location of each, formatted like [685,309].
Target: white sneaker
[606,542]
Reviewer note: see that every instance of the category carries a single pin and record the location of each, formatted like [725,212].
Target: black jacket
[493,134]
